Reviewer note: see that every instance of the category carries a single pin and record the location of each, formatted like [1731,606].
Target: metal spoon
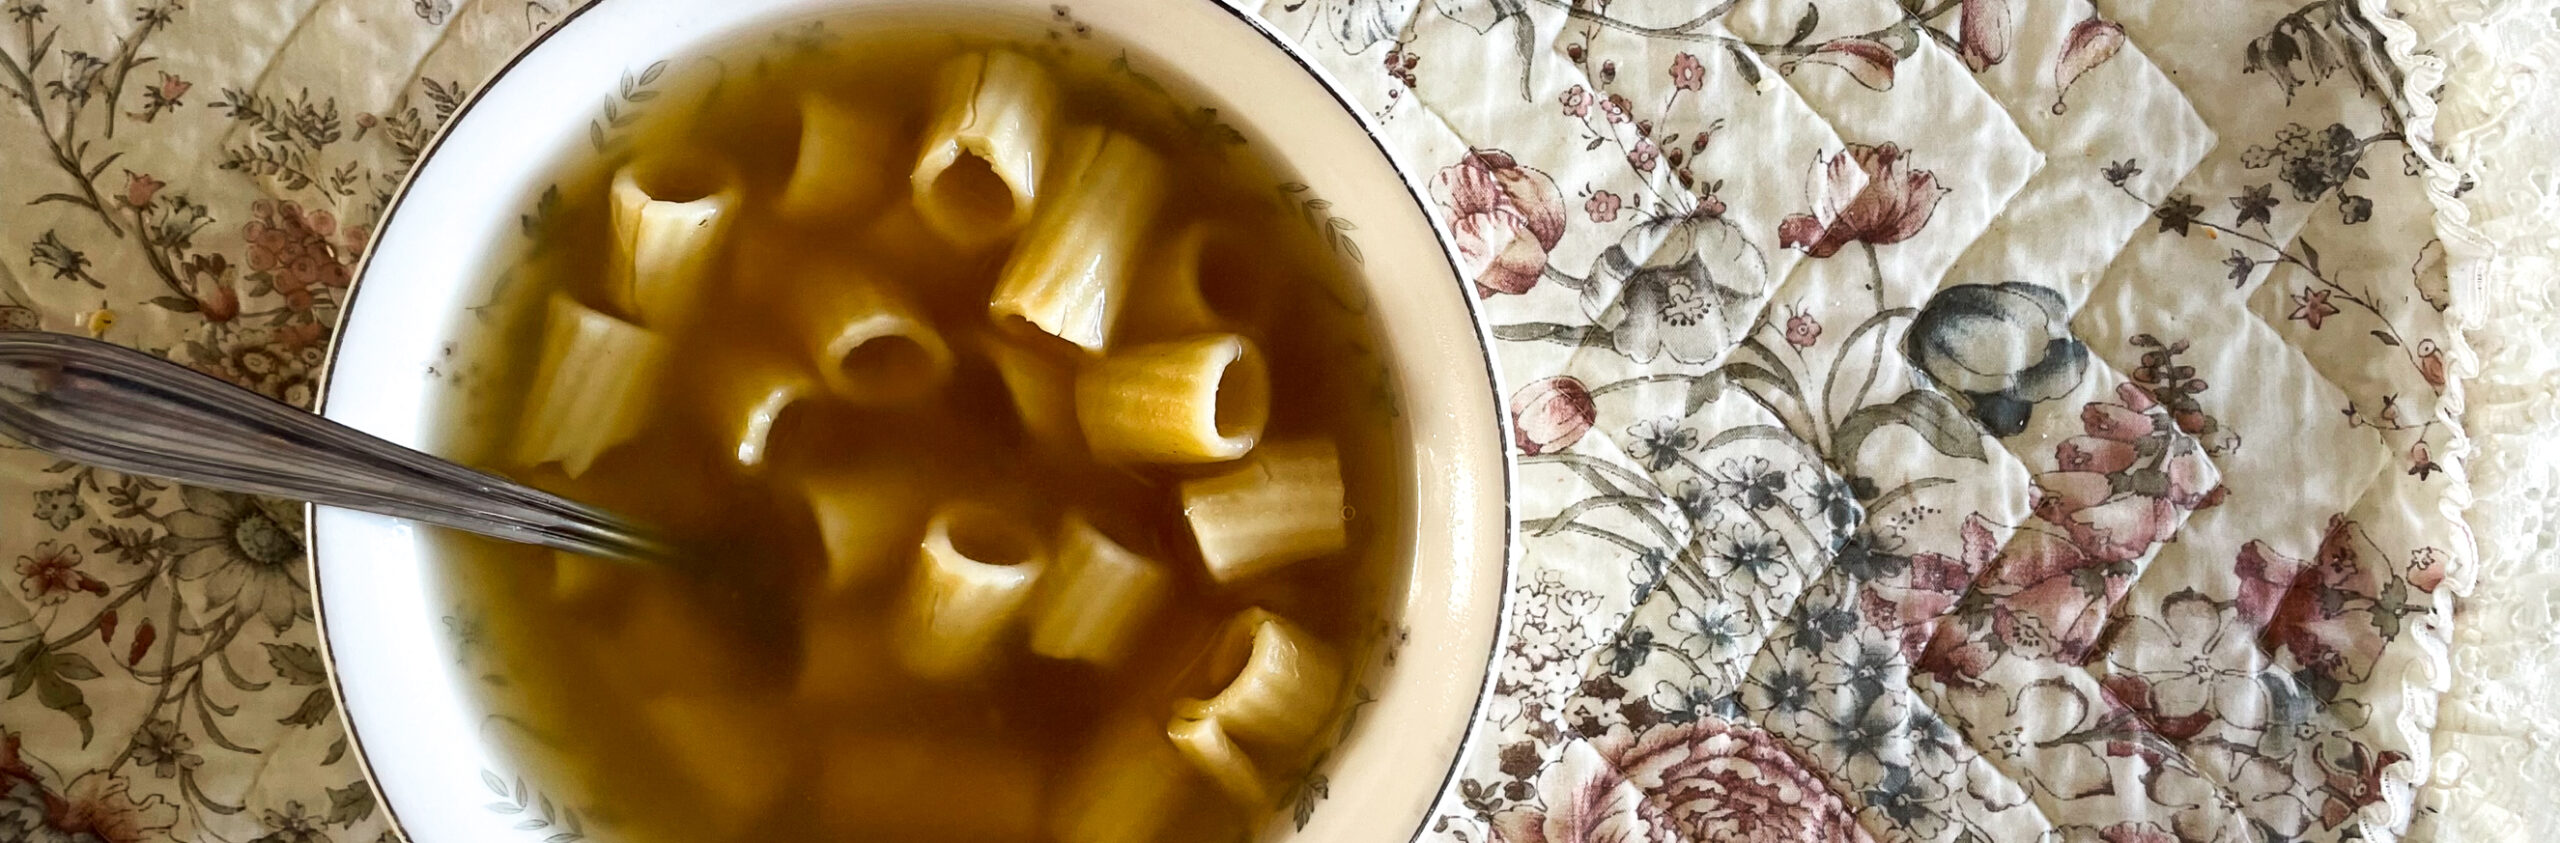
[109,406]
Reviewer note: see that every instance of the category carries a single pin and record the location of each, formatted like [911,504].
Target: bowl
[403,651]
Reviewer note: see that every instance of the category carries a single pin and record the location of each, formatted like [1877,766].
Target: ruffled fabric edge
[2467,251]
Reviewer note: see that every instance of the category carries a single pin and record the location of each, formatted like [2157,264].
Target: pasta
[842,661]
[592,389]
[1069,274]
[1279,682]
[1096,597]
[944,354]
[870,345]
[837,171]
[687,650]
[668,223]
[1123,787]
[1204,742]
[899,238]
[1282,505]
[908,788]
[1203,283]
[1041,389]
[746,402]
[984,156]
[973,575]
[867,523]
[1203,399]
[729,759]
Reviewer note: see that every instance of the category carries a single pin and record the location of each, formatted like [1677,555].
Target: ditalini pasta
[1281,505]
[669,218]
[745,402]
[1203,399]
[870,344]
[1277,683]
[973,575]
[593,389]
[1043,478]
[1095,596]
[1070,273]
[985,153]
[1123,787]
[837,170]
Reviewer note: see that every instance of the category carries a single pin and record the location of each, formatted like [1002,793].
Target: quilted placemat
[1940,419]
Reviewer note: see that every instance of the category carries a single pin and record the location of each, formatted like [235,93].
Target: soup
[1028,429]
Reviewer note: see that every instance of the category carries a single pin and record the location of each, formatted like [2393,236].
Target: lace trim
[2466,251]
[2489,780]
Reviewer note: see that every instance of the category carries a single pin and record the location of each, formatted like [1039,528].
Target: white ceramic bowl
[396,643]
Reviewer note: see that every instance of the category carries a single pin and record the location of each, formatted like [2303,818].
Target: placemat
[1944,419]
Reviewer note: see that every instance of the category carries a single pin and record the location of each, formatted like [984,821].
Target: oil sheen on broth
[1052,498]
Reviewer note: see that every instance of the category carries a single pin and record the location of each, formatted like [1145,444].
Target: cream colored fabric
[2498,732]
[1960,418]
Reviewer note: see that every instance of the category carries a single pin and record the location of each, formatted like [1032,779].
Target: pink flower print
[2431,363]
[2321,619]
[2312,306]
[1703,780]
[1985,33]
[2427,568]
[1643,155]
[1505,217]
[1614,108]
[51,573]
[2095,454]
[100,806]
[140,189]
[2045,603]
[2353,780]
[2265,577]
[1802,330]
[2134,692]
[1687,73]
[1866,60]
[2115,421]
[1577,101]
[1602,206]
[2124,528]
[293,249]
[1550,415]
[171,87]
[2091,43]
[2193,483]
[1862,194]
[1912,600]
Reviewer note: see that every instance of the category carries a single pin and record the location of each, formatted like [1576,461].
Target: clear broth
[897,758]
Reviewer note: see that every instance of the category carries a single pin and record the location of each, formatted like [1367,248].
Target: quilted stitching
[2163,604]
[1781,577]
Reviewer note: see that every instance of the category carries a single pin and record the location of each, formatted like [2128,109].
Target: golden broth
[754,702]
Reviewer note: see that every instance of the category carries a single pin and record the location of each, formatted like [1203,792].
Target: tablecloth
[1937,419]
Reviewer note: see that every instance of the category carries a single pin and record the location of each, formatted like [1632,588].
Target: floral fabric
[1934,420]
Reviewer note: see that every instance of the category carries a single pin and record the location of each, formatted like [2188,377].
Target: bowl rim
[1505,548]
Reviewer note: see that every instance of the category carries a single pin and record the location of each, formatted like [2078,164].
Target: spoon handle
[109,406]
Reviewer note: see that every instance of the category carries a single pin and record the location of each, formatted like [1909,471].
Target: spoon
[113,407]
